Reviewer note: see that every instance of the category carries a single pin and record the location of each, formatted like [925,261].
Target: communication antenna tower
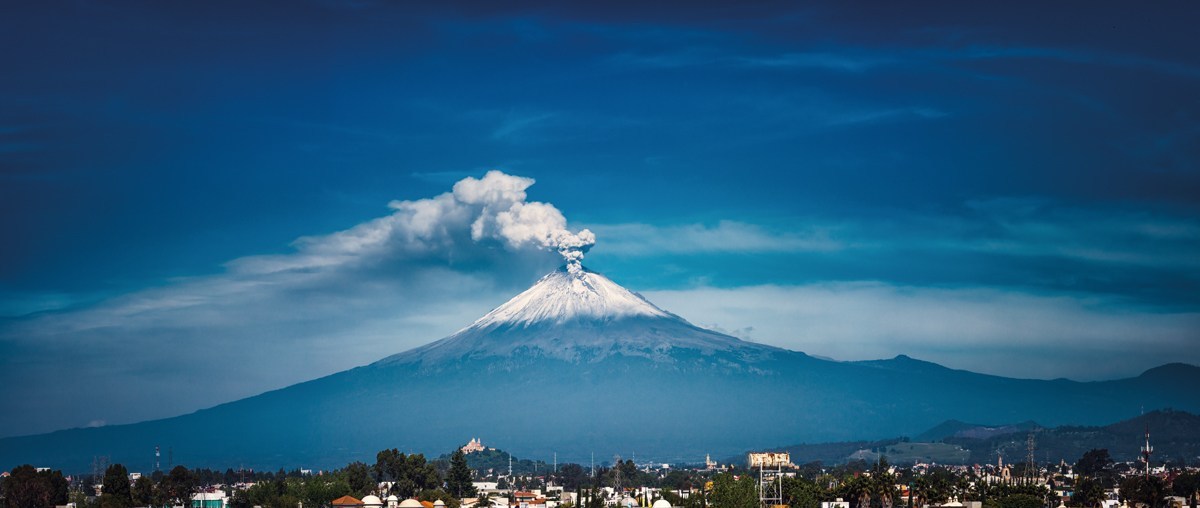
[1147,450]
[99,466]
[770,488]
[617,478]
[1029,460]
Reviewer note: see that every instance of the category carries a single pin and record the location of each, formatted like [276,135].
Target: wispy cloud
[725,236]
[1022,227]
[1012,333]
[1035,227]
[694,57]
[866,59]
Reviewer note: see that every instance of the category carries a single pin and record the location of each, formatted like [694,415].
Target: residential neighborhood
[766,479]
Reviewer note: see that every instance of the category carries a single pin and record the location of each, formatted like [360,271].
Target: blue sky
[1006,189]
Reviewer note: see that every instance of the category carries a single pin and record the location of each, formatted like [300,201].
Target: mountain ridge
[574,380]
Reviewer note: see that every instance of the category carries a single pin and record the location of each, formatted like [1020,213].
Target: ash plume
[506,216]
[455,225]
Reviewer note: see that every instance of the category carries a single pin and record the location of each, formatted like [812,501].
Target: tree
[1187,486]
[571,476]
[1095,463]
[424,474]
[26,487]
[410,474]
[594,501]
[143,491]
[1088,492]
[857,490]
[1139,490]
[728,492]
[458,479]
[358,475]
[115,492]
[389,465]
[57,485]
[883,483]
[801,493]
[316,490]
[935,487]
[629,473]
[178,485]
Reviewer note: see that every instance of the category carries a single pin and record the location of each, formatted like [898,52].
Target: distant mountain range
[1174,434]
[579,365]
[957,429]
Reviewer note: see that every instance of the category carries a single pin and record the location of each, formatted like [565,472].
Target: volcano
[578,365]
[581,317]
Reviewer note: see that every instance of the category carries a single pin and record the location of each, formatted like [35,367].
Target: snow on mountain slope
[579,315]
[563,295]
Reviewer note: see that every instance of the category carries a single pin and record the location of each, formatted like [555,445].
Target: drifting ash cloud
[337,301]
[477,214]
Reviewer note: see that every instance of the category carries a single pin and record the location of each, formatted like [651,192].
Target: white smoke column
[572,247]
[507,216]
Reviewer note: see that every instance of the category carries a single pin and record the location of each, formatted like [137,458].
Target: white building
[210,500]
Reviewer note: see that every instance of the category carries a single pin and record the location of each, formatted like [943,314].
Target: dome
[662,503]
[439,503]
[372,500]
[393,498]
[629,501]
[410,503]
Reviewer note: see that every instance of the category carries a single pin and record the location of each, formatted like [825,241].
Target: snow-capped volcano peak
[577,315]
[568,294]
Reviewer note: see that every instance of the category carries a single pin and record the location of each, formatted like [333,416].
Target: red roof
[346,501]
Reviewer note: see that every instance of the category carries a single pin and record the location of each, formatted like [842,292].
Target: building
[346,502]
[769,459]
[473,446]
[210,500]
